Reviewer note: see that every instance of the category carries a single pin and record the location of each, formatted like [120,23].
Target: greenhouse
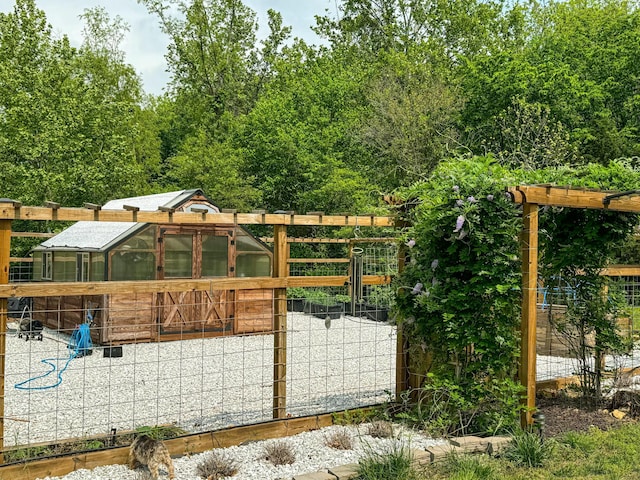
[120,251]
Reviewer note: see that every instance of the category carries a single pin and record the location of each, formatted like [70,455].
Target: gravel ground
[198,385]
[311,452]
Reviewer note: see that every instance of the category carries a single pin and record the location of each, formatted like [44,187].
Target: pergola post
[529,245]
[280,324]
[5,254]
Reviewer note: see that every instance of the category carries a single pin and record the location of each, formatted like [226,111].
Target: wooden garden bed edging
[189,444]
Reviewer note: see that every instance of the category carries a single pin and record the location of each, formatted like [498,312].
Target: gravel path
[311,452]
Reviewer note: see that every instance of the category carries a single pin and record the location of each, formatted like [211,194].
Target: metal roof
[99,236]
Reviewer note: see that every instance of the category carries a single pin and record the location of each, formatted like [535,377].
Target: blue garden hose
[80,344]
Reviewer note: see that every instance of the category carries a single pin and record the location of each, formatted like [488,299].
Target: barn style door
[193,253]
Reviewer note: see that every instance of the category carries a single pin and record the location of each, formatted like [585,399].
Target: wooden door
[195,312]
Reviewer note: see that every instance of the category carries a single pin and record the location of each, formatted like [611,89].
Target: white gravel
[310,449]
[198,385]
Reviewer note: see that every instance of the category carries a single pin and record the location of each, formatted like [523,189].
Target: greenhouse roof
[101,235]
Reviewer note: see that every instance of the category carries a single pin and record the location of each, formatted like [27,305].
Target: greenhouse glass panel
[215,255]
[135,259]
[248,244]
[64,266]
[253,265]
[178,254]
[131,265]
[37,266]
[97,267]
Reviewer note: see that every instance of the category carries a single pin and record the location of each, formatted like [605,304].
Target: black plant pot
[326,311]
[376,313]
[295,305]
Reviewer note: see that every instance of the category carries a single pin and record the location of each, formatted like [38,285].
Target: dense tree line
[397,87]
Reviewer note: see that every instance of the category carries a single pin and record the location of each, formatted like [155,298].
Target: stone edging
[469,444]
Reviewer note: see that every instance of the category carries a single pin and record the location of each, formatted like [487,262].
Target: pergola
[531,197]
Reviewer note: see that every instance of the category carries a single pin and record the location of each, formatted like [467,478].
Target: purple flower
[417,289]
[456,188]
[459,202]
[472,199]
[459,223]
[411,243]
[435,264]
[490,197]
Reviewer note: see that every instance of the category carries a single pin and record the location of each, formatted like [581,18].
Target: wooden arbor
[531,197]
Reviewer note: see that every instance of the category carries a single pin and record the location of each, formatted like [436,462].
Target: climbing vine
[459,296]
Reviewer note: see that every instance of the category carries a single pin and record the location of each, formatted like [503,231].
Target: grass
[394,464]
[593,455]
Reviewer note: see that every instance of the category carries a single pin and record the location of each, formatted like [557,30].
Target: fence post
[529,244]
[5,253]
[280,324]
[402,344]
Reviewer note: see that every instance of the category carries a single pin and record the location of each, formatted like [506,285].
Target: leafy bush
[296,292]
[320,297]
[459,295]
[458,298]
[445,407]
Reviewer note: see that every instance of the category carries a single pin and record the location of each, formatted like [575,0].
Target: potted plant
[345,301]
[295,299]
[379,302]
[322,305]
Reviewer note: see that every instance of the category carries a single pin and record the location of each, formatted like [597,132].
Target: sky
[145,45]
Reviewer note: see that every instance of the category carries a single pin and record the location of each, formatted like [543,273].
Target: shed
[117,251]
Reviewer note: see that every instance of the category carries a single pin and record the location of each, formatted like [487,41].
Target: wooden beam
[335,240]
[188,444]
[54,289]
[621,271]
[573,198]
[9,212]
[33,234]
[5,254]
[529,245]
[280,324]
[318,260]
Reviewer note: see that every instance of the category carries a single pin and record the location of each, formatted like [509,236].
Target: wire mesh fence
[59,389]
[90,370]
[558,346]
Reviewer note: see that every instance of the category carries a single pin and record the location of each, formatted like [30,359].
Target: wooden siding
[131,318]
[254,311]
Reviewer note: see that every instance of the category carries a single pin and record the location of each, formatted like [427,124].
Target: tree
[411,122]
[576,59]
[66,115]
[216,168]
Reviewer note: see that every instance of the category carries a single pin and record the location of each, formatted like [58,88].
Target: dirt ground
[568,414]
